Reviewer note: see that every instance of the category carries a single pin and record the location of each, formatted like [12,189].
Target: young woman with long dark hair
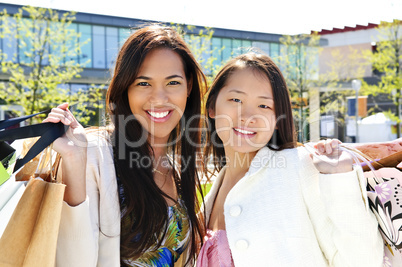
[131,190]
[270,203]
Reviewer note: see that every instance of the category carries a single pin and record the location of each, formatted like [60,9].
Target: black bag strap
[10,122]
[47,131]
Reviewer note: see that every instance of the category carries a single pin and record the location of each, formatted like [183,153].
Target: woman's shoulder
[99,142]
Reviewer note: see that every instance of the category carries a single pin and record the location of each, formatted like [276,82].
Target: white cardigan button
[235,211]
[241,244]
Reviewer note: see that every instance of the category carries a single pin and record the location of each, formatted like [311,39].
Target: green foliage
[299,65]
[200,45]
[386,62]
[43,48]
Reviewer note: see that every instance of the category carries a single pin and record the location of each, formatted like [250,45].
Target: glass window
[85,57]
[57,46]
[274,52]
[227,49]
[112,42]
[124,33]
[10,45]
[262,46]
[217,51]
[236,47]
[99,55]
[72,44]
[25,43]
[246,44]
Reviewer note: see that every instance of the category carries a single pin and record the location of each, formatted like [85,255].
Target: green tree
[41,52]
[200,42]
[341,67]
[299,64]
[386,62]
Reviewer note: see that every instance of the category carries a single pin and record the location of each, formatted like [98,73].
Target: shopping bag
[10,191]
[385,200]
[7,158]
[30,236]
[384,181]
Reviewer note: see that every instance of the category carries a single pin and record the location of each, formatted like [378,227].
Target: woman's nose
[247,115]
[159,95]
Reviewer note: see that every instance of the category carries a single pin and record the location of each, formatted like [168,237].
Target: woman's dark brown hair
[143,206]
[284,134]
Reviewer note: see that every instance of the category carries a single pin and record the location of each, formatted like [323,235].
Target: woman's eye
[143,84]
[264,106]
[173,83]
[236,100]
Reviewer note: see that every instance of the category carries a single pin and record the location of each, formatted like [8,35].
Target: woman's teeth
[243,131]
[158,114]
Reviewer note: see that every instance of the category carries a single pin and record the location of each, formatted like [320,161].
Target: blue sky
[272,16]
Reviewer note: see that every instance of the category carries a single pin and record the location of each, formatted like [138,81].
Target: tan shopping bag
[30,237]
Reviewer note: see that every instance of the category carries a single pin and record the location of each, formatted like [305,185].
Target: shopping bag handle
[13,121]
[47,131]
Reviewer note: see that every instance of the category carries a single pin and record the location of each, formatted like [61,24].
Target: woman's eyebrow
[237,91]
[143,78]
[266,97]
[174,76]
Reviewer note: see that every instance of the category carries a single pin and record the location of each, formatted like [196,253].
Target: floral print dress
[175,241]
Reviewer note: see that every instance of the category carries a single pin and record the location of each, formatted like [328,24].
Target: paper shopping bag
[384,201]
[30,237]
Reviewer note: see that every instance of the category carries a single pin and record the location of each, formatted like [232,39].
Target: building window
[85,40]
[112,46]
[124,33]
[71,53]
[99,55]
[226,49]
[216,51]
[274,52]
[262,47]
[245,44]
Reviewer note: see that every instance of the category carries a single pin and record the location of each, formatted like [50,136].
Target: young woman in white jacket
[272,203]
[127,201]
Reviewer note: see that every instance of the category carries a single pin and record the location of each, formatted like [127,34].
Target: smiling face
[158,95]
[244,112]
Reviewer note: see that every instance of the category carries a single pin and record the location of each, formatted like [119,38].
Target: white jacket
[284,213]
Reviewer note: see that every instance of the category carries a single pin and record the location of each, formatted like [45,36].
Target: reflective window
[227,49]
[124,33]
[237,47]
[245,44]
[274,52]
[99,55]
[112,43]
[72,43]
[217,51]
[262,46]
[25,43]
[10,45]
[85,40]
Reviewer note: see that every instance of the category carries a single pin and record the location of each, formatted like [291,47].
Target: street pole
[356,84]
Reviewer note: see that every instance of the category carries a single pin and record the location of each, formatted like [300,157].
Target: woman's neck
[159,146]
[238,164]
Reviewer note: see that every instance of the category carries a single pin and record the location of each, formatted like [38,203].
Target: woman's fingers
[62,114]
[327,146]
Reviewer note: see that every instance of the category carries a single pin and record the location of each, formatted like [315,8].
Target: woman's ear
[211,113]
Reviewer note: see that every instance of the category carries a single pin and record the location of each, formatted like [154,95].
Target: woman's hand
[74,141]
[330,159]
[72,147]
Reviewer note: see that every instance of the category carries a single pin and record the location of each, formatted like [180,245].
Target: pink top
[216,251]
